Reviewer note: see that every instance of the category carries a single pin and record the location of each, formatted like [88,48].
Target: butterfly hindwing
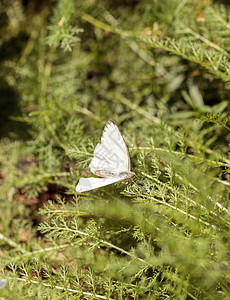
[87,184]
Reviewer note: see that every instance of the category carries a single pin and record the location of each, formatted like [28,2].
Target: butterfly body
[111,160]
[110,174]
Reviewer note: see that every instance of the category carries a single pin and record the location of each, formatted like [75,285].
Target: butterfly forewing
[111,154]
[112,135]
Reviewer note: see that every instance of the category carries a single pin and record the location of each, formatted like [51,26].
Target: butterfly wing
[111,160]
[91,183]
[111,154]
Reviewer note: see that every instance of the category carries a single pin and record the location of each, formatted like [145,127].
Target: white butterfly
[111,160]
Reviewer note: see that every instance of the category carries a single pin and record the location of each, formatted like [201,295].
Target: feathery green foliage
[160,70]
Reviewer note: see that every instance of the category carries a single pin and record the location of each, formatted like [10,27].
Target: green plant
[160,70]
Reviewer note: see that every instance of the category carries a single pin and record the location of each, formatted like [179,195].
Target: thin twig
[106,27]
[183,212]
[58,287]
[212,162]
[12,243]
[206,41]
[102,242]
